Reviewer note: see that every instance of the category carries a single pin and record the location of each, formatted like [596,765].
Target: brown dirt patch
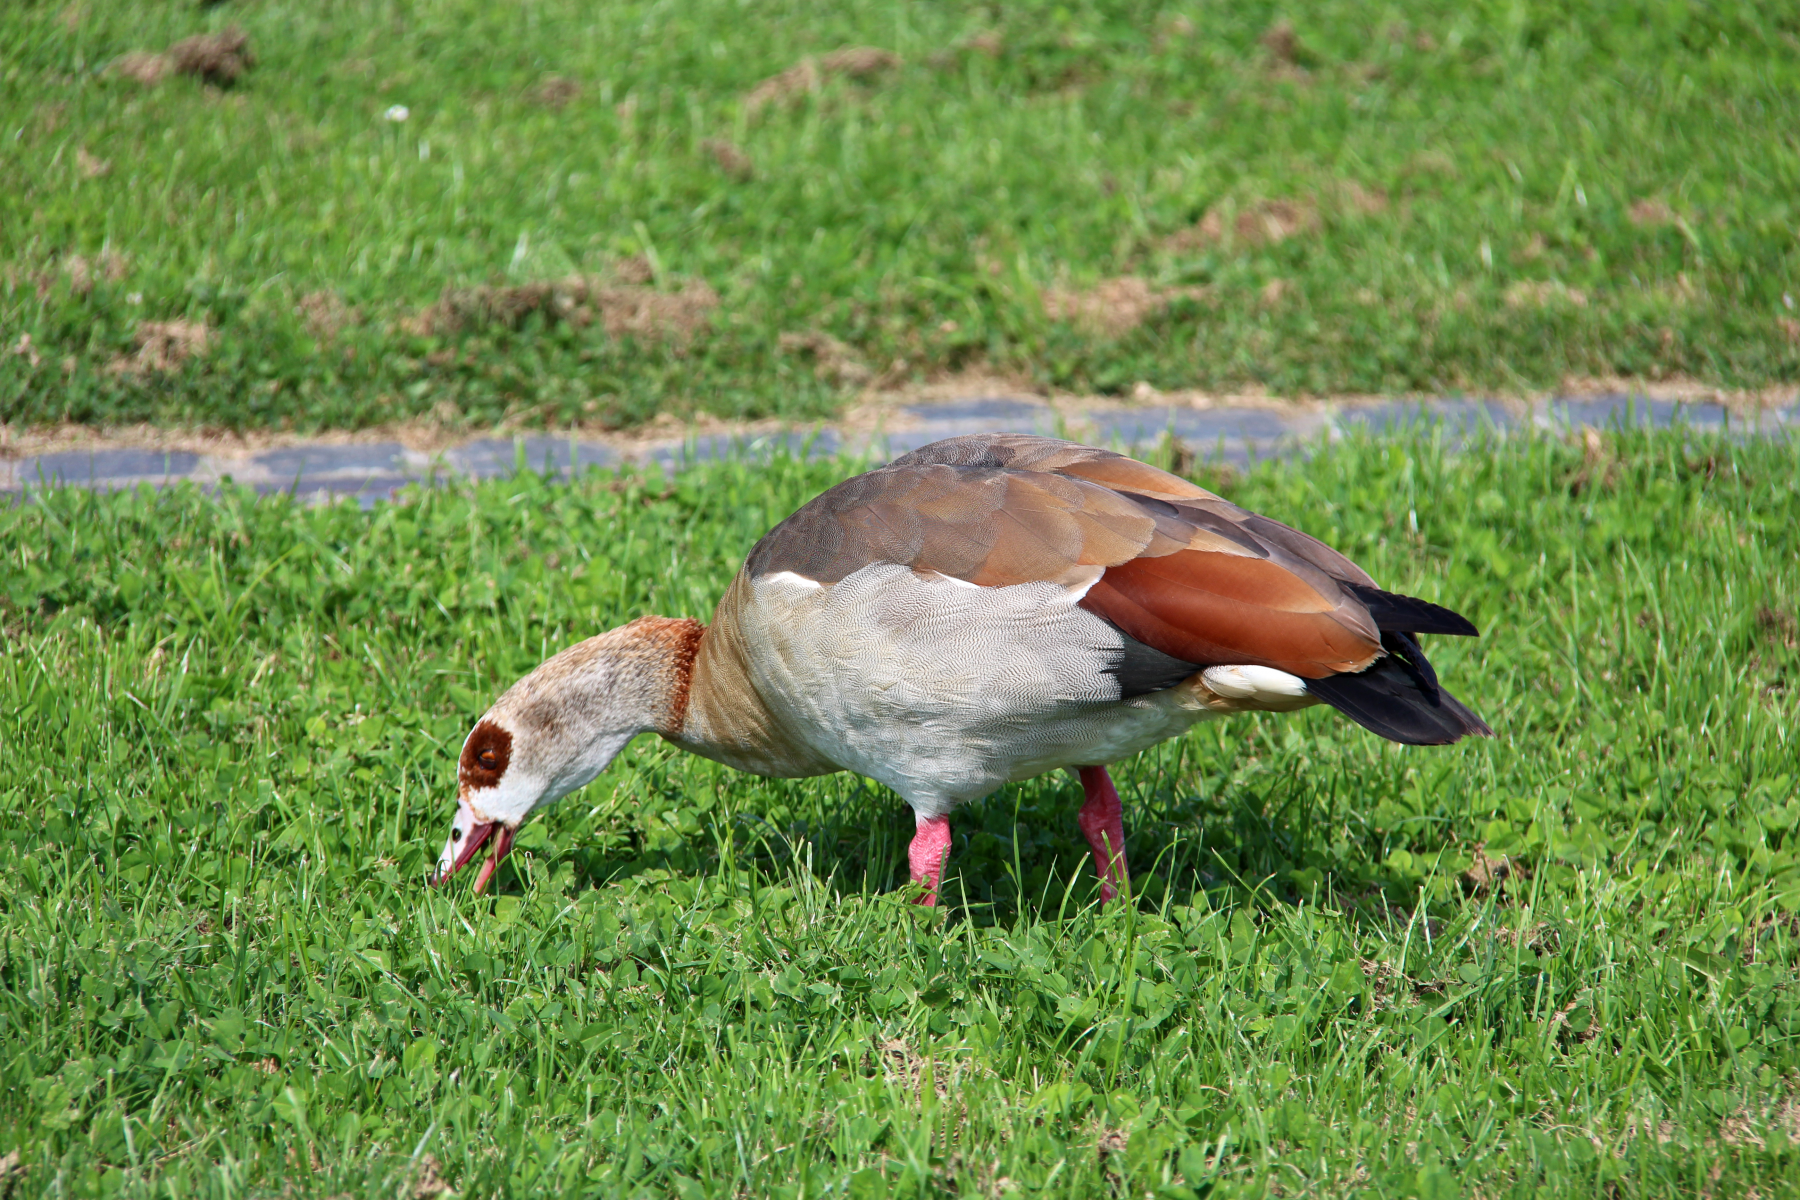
[163,347]
[25,350]
[1274,291]
[807,75]
[142,66]
[216,58]
[1782,628]
[325,313]
[731,159]
[1289,57]
[1114,307]
[90,166]
[1543,294]
[1282,43]
[1533,249]
[1577,1019]
[1676,293]
[622,309]
[554,92]
[1541,938]
[1383,979]
[430,1182]
[1258,223]
[907,1069]
[833,361]
[1598,463]
[1172,31]
[633,270]
[1369,201]
[1790,329]
[988,42]
[858,62]
[110,265]
[1649,213]
[1487,875]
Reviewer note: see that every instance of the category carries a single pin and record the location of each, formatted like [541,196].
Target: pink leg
[1102,819]
[930,847]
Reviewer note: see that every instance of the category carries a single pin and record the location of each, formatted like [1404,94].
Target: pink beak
[476,836]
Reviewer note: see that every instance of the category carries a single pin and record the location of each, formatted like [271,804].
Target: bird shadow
[1191,838]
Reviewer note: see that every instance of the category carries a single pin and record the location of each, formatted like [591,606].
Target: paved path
[373,471]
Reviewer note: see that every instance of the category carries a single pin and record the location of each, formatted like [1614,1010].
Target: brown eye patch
[484,756]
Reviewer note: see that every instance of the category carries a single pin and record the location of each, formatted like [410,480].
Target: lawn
[1561,959]
[596,213]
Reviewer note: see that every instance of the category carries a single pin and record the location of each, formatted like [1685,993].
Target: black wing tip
[1395,613]
[1389,699]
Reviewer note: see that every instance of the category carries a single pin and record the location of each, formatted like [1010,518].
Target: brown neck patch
[675,641]
[484,756]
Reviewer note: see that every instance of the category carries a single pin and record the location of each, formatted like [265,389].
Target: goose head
[560,726]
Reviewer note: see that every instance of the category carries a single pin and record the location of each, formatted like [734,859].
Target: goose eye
[489,760]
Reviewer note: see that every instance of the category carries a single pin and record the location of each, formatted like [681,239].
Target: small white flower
[398,112]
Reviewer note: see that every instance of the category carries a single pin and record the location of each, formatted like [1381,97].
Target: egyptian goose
[980,611]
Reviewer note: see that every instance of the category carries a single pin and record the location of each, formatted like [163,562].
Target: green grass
[928,217]
[229,728]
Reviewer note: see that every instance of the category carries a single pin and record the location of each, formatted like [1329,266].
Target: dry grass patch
[1114,307]
[23,348]
[430,1183]
[833,361]
[1541,938]
[1369,201]
[142,66]
[216,58]
[554,92]
[1257,223]
[1778,627]
[988,42]
[1599,465]
[91,166]
[163,347]
[110,265]
[807,75]
[1544,294]
[1487,875]
[1577,1019]
[907,1069]
[1282,43]
[623,309]
[730,158]
[1790,329]
[325,313]
[1650,213]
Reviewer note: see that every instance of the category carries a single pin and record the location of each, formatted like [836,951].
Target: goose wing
[1176,568]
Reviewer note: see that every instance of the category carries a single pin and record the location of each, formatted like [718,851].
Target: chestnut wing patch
[1216,609]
